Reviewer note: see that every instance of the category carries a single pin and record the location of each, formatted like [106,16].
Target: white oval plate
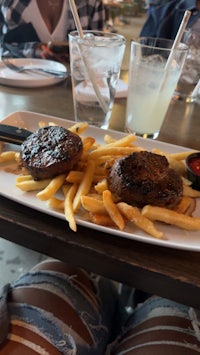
[175,237]
[31,79]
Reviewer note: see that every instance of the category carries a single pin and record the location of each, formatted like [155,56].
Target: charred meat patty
[145,178]
[50,151]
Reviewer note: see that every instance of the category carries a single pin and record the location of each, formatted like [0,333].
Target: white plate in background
[176,237]
[30,79]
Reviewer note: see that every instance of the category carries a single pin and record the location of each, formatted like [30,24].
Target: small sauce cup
[193,169]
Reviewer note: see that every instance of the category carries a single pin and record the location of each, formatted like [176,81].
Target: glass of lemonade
[152,81]
[95,62]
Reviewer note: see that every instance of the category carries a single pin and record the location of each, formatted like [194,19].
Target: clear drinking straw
[196,90]
[176,43]
[100,98]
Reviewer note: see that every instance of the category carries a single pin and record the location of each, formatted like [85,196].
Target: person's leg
[58,309]
[159,326]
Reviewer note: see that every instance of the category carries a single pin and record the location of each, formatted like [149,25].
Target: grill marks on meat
[50,151]
[145,178]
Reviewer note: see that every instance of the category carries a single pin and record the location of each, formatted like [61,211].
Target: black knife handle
[11,134]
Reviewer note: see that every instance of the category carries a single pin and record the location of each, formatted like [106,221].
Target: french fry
[98,178]
[85,185]
[189,191]
[174,160]
[42,124]
[160,152]
[186,205]
[100,170]
[7,156]
[123,142]
[24,178]
[93,205]
[52,124]
[101,219]
[191,207]
[18,158]
[108,139]
[82,164]
[56,203]
[135,216]
[51,188]
[79,127]
[32,185]
[186,182]
[175,156]
[171,217]
[75,177]
[182,155]
[102,160]
[113,210]
[177,165]
[68,206]
[101,186]
[107,150]
[65,189]
[88,143]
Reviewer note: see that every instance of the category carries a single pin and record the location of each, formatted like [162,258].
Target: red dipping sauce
[193,169]
[194,165]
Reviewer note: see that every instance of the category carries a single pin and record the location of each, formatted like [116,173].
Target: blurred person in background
[40,21]
[165,16]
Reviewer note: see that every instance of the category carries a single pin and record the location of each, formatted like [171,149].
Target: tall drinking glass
[154,71]
[190,74]
[95,62]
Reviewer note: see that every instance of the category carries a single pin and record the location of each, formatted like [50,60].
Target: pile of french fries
[86,188]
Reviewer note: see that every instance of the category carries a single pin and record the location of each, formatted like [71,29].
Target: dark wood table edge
[92,251]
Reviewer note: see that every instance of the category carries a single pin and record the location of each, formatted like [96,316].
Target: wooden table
[167,272]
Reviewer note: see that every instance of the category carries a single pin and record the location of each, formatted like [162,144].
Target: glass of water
[95,62]
[190,75]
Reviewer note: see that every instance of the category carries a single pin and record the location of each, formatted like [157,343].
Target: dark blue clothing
[163,21]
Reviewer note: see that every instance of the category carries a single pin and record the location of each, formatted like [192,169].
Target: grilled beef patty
[145,178]
[50,151]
